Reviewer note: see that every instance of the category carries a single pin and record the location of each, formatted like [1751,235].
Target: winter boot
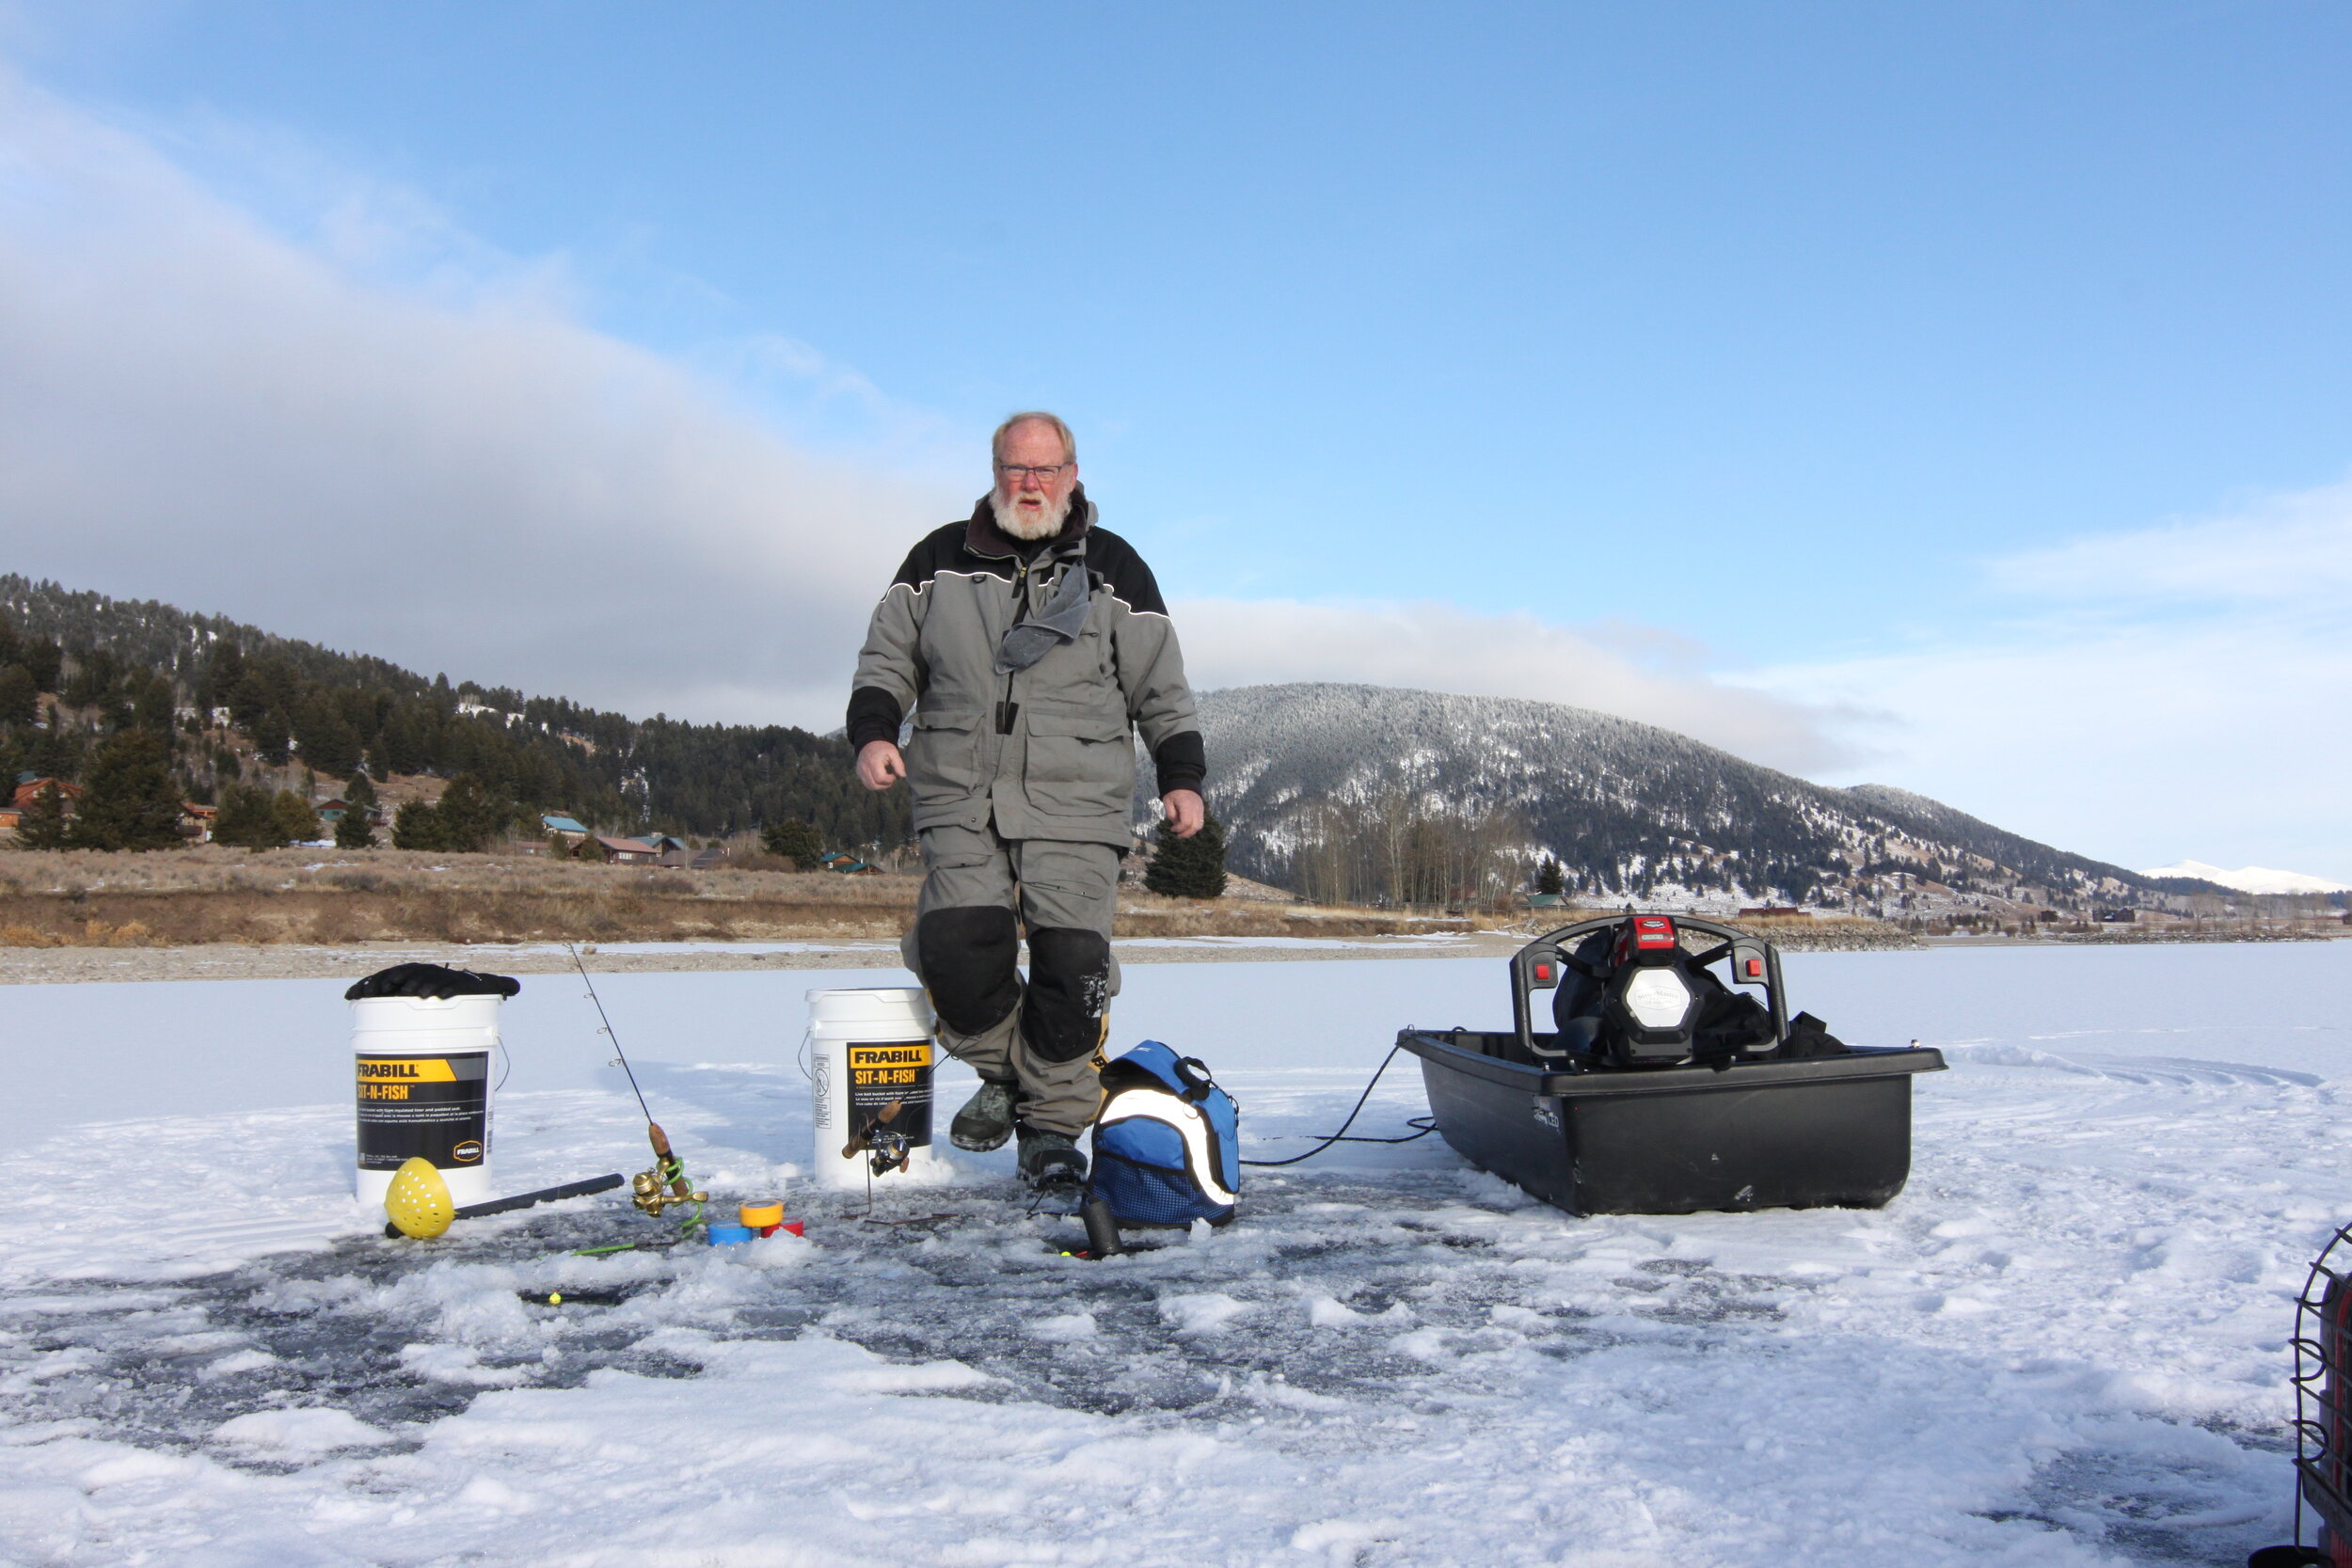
[986,1120]
[1051,1162]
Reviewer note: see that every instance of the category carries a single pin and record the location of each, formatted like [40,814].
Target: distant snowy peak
[2251,879]
[1625,807]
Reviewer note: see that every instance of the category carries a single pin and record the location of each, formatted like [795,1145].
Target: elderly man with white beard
[1029,644]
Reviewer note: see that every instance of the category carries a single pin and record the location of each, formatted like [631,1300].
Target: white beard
[1018,525]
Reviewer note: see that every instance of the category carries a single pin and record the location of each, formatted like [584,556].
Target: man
[1030,645]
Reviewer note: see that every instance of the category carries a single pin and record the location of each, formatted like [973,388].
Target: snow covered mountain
[1625,807]
[2251,879]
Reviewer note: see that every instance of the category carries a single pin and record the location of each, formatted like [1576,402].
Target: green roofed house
[848,864]
[556,825]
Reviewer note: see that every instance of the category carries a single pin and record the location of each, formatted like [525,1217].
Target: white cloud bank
[457,476]
[394,441]
[2178,690]
[1439,647]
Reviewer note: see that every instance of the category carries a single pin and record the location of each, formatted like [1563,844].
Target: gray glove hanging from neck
[1064,618]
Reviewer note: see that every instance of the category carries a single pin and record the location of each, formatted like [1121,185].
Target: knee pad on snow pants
[1069,982]
[966,959]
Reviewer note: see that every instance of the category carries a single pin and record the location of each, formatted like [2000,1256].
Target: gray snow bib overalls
[1027,680]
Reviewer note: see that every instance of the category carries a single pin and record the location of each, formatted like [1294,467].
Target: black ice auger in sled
[1671,1078]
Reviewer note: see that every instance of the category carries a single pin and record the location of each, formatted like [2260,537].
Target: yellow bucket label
[888,1066]
[417,1102]
[420,1070]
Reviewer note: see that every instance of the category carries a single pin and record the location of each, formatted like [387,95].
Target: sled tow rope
[1424,1125]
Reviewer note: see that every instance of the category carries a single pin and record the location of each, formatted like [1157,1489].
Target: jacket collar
[983,537]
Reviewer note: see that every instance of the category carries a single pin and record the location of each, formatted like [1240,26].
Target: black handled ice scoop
[524,1200]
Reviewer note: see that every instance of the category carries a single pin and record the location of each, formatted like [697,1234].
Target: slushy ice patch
[1430,1297]
[398,1332]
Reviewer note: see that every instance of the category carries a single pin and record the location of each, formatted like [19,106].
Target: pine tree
[44,823]
[465,818]
[796,841]
[417,826]
[1188,867]
[297,822]
[353,831]
[20,701]
[44,660]
[271,738]
[470,816]
[248,818]
[1547,876]
[129,798]
[328,743]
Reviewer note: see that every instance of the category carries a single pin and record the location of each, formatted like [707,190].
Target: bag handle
[1195,1074]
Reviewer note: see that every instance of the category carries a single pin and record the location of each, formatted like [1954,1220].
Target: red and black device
[1627,992]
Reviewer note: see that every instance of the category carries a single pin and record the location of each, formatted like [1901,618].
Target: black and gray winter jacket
[1036,731]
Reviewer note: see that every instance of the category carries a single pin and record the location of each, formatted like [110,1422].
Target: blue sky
[1910,393]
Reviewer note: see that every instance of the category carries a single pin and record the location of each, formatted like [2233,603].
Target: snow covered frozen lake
[2064,1343]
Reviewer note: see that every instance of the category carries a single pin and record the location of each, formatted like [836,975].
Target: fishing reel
[665,1184]
[646,1190]
[884,1151]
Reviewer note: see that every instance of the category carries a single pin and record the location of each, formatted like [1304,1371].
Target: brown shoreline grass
[209,893]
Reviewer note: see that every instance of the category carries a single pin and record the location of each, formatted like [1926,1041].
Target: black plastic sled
[1665,1087]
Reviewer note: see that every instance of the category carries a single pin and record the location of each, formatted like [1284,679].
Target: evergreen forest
[230,706]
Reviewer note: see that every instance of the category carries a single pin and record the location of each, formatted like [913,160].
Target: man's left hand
[1186,811]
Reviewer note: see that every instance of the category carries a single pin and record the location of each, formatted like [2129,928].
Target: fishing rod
[666,1183]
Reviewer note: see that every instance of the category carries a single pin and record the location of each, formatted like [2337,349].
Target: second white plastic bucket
[423,1075]
[871,1050]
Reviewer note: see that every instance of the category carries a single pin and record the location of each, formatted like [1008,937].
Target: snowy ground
[2063,1344]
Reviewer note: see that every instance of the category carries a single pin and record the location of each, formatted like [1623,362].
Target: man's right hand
[879,766]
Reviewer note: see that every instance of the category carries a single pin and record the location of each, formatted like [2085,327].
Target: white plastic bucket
[422,1066]
[870,1049]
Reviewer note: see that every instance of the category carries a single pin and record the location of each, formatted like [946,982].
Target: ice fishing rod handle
[864,1137]
[666,1162]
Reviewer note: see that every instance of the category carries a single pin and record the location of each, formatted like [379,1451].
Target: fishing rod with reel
[665,1185]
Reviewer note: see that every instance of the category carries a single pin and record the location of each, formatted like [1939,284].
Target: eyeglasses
[1043,473]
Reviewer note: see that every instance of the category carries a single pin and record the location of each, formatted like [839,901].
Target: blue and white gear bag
[1167,1141]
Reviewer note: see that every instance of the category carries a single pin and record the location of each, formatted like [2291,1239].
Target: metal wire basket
[2323,1410]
